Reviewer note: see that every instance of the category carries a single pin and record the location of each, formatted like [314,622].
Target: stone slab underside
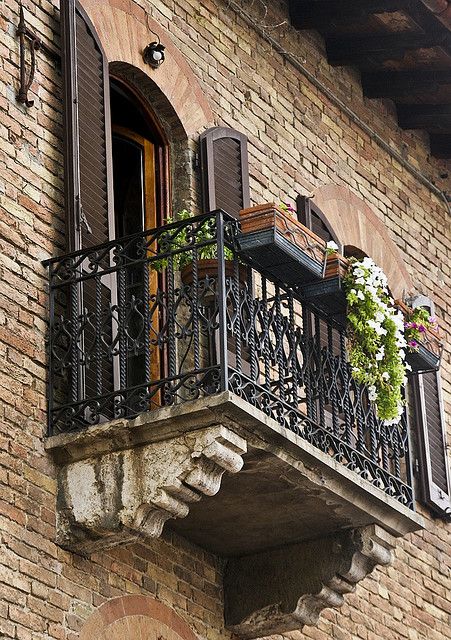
[298,529]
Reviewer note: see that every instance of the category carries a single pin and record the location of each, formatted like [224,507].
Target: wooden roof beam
[394,84]
[354,50]
[432,117]
[318,14]
[441,145]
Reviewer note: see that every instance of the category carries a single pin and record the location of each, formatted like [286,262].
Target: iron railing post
[222,302]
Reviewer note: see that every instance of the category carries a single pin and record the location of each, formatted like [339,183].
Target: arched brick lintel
[132,606]
[125,30]
[356,224]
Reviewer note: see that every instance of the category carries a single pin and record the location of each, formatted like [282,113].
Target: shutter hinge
[196,160]
[84,220]
[416,467]
[81,218]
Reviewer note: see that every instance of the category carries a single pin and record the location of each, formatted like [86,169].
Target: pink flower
[421,328]
[289,207]
[413,343]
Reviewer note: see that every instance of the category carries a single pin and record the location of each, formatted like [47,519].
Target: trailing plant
[417,323]
[377,342]
[181,243]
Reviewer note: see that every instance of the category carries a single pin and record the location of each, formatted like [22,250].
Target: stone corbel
[118,496]
[284,589]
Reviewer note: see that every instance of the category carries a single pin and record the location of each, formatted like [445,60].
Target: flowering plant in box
[377,342]
[416,326]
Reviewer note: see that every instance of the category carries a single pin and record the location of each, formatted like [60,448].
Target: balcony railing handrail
[126,337]
[157,231]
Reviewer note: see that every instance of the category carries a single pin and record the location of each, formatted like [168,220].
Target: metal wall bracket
[25,35]
[35,44]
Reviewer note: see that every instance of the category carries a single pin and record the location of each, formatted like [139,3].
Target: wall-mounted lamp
[153,54]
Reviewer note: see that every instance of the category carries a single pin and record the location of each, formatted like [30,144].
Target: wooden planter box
[281,245]
[210,268]
[428,355]
[328,295]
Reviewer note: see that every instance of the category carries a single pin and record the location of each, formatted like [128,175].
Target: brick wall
[298,141]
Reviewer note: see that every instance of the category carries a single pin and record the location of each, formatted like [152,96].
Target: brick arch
[135,616]
[124,30]
[356,224]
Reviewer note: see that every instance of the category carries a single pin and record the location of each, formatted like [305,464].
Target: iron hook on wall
[25,35]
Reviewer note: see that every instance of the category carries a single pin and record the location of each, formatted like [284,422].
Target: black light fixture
[153,54]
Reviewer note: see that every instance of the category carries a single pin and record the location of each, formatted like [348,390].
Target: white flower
[385,375]
[372,395]
[360,295]
[332,246]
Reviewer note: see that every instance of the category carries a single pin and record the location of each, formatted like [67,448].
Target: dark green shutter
[225,171]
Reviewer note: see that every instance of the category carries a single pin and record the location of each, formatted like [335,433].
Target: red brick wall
[298,141]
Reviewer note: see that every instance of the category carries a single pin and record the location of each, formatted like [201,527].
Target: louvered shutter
[88,159]
[433,463]
[89,199]
[314,219]
[225,171]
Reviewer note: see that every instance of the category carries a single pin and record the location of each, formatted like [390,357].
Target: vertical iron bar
[373,438]
[279,346]
[222,303]
[306,322]
[252,350]
[195,303]
[75,354]
[320,373]
[236,327]
[122,284]
[334,394]
[172,356]
[385,460]
[147,321]
[360,419]
[267,342]
[98,338]
[293,362]
[346,390]
[51,374]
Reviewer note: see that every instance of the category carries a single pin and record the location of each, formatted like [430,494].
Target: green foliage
[181,241]
[376,338]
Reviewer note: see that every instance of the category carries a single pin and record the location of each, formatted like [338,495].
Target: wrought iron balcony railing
[177,313]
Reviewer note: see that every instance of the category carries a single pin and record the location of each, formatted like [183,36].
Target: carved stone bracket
[115,497]
[284,589]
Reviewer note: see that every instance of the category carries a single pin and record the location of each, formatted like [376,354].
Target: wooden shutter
[433,465]
[225,171]
[88,159]
[88,196]
[314,219]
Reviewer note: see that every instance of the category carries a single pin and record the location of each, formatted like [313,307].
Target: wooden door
[135,203]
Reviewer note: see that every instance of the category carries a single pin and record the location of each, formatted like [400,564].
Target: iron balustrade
[157,319]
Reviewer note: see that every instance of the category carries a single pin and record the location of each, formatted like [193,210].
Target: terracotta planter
[210,268]
[428,355]
[327,295]
[281,245]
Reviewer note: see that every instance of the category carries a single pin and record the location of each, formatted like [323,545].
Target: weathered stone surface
[118,496]
[285,480]
[284,589]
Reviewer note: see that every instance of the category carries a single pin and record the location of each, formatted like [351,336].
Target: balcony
[188,387]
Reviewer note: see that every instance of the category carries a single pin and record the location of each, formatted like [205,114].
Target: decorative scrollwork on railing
[159,319]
